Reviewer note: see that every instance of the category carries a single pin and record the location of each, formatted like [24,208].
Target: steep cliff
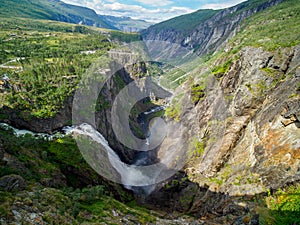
[241,105]
[234,124]
[204,31]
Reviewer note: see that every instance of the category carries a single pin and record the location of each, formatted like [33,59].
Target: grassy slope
[50,10]
[64,205]
[53,63]
[271,29]
[184,23]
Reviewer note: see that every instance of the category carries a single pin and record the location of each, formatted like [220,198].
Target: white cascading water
[131,175]
[153,110]
[48,137]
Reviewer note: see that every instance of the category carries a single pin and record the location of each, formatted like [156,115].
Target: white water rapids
[67,130]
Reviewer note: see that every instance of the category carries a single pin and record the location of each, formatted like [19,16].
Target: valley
[183,123]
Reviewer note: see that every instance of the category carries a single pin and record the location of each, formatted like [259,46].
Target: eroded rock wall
[252,137]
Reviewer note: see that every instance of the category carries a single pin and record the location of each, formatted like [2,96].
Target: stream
[136,176]
[67,130]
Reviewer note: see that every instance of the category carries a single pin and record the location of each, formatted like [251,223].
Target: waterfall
[131,175]
[140,176]
[153,110]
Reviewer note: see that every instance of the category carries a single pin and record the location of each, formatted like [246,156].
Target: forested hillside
[51,10]
[45,60]
[229,101]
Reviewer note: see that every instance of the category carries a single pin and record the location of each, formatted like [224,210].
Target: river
[132,176]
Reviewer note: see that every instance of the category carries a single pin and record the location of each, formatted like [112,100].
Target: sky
[151,10]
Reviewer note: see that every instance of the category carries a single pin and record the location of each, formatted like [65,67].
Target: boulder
[12,183]
[58,180]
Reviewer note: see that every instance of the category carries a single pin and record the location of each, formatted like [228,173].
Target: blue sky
[152,10]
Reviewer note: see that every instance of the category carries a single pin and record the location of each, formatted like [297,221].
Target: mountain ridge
[52,10]
[238,109]
[125,23]
[210,33]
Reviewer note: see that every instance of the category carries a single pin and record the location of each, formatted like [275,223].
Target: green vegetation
[39,160]
[272,28]
[154,69]
[268,29]
[217,181]
[46,156]
[197,93]
[258,89]
[51,10]
[51,66]
[173,112]
[196,148]
[173,78]
[125,37]
[102,211]
[22,24]
[283,207]
[220,70]
[91,205]
[185,23]
[199,149]
[47,66]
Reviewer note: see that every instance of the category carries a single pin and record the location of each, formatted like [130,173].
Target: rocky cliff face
[22,120]
[210,35]
[254,144]
[247,131]
[103,121]
[239,125]
[245,119]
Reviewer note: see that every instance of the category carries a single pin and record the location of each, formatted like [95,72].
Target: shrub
[284,207]
[197,93]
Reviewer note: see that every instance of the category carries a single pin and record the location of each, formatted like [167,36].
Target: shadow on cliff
[179,196]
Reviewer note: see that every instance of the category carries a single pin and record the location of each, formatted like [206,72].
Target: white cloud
[221,5]
[137,11]
[155,2]
[77,2]
[116,6]
[156,13]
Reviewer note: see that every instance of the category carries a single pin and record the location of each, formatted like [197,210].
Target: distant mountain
[184,23]
[52,10]
[126,24]
[203,31]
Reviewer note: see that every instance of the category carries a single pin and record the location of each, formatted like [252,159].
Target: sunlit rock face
[243,136]
[252,138]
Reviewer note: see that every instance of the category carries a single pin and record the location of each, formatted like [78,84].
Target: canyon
[200,124]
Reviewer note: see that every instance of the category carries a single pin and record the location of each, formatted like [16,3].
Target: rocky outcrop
[122,76]
[209,36]
[12,183]
[22,120]
[249,124]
